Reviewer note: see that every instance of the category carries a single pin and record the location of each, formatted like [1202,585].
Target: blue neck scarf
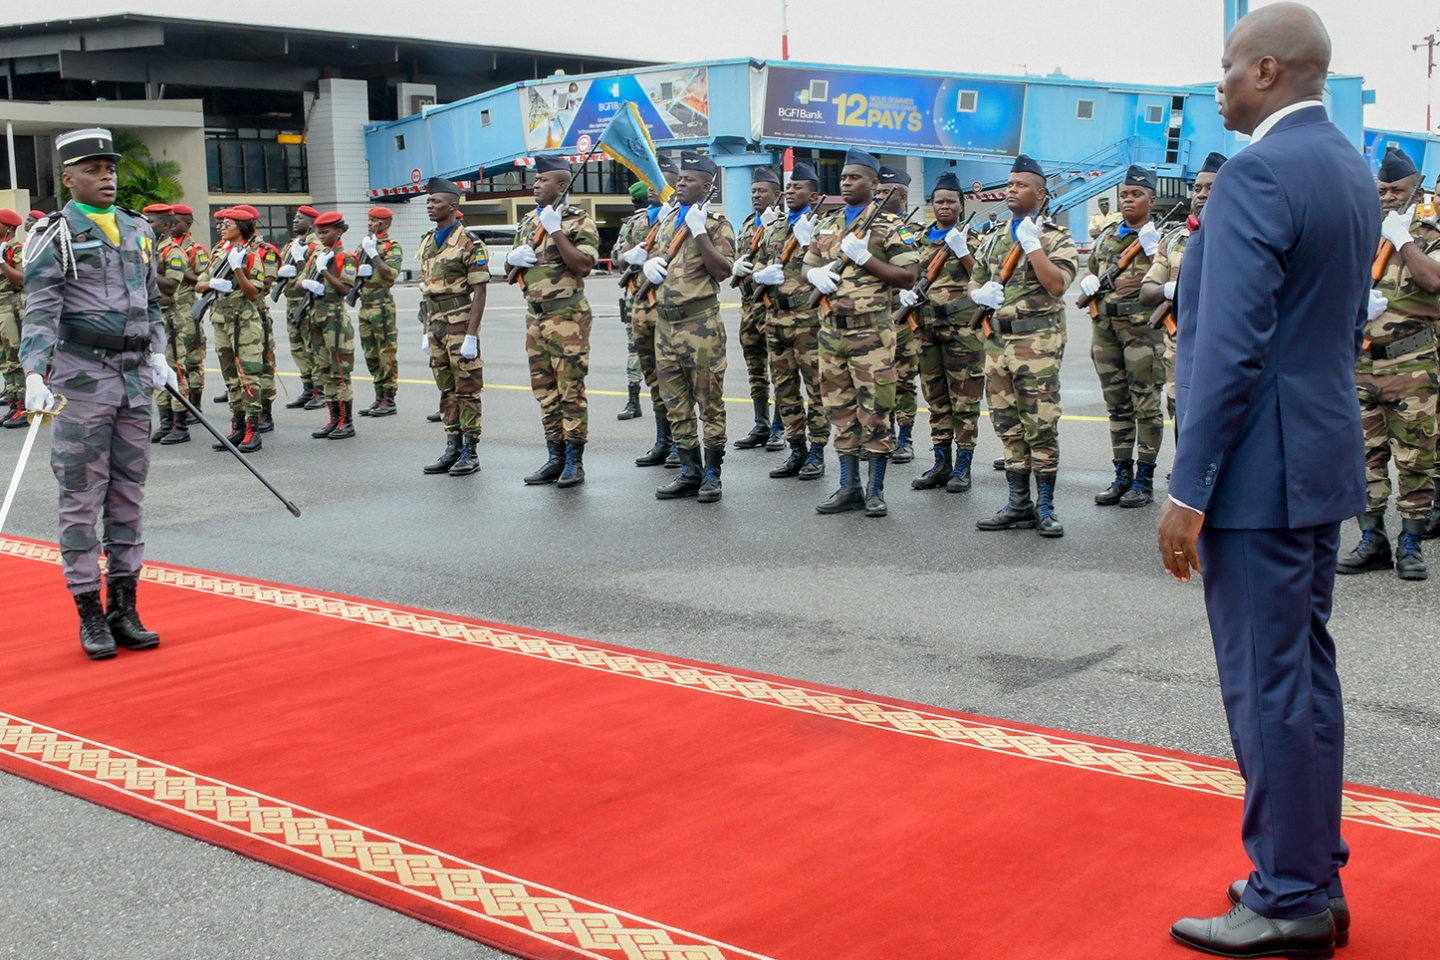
[797,214]
[680,212]
[936,233]
[852,212]
[652,213]
[1125,229]
[443,233]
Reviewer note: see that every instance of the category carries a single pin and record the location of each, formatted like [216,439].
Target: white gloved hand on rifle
[742,268]
[909,298]
[287,271]
[991,295]
[1027,234]
[804,230]
[322,262]
[1089,284]
[369,245]
[1149,239]
[365,270]
[770,276]
[956,239]
[655,270]
[636,256]
[769,215]
[299,252]
[550,219]
[236,258]
[824,279]
[695,219]
[313,286]
[1396,227]
[221,285]
[522,256]
[857,249]
[1376,306]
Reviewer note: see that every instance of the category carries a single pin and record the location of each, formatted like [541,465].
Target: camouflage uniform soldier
[1127,351]
[554,251]
[183,262]
[292,260]
[854,272]
[237,276]
[952,352]
[699,246]
[161,218]
[92,318]
[1396,374]
[12,315]
[792,328]
[636,225]
[329,275]
[895,188]
[454,269]
[1019,293]
[381,258]
[765,198]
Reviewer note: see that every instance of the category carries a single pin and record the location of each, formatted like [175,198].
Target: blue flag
[627,141]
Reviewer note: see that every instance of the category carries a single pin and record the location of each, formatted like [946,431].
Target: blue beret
[690,160]
[1396,165]
[1024,164]
[1213,163]
[547,164]
[803,171]
[1138,176]
[667,165]
[948,181]
[763,175]
[890,174]
[861,158]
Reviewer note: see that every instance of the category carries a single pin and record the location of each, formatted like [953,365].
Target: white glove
[908,298]
[1089,284]
[1149,239]
[364,270]
[771,276]
[769,215]
[287,271]
[323,261]
[804,230]
[164,374]
[742,268]
[955,239]
[470,349]
[824,279]
[1377,305]
[636,256]
[37,395]
[236,258]
[1396,227]
[369,245]
[991,295]
[522,256]
[221,285]
[856,248]
[425,344]
[1027,234]
[695,219]
[314,286]
[655,270]
[299,252]
[1170,290]
[550,219]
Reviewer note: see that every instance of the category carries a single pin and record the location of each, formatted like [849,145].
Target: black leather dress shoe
[1339,909]
[1242,933]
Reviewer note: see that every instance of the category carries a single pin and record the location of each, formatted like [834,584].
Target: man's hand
[804,230]
[287,271]
[769,215]
[655,270]
[956,239]
[636,256]
[299,252]
[364,270]
[163,373]
[37,395]
[742,268]
[314,286]
[908,298]
[695,219]
[857,249]
[1396,228]
[1149,239]
[1089,284]
[769,276]
[1179,529]
[550,219]
[220,285]
[1377,305]
[991,295]
[371,248]
[522,256]
[236,258]
[1169,289]
[470,348]
[1027,234]
[824,279]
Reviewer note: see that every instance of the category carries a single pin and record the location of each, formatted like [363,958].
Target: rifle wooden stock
[1164,315]
[754,248]
[1107,279]
[821,300]
[513,275]
[1382,257]
[981,319]
[922,288]
[682,233]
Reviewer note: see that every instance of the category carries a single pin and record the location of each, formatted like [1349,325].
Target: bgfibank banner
[893,110]
[674,104]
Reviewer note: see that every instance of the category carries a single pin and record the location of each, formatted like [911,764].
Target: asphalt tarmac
[1085,633]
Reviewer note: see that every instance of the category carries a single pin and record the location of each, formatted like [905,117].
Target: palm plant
[142,180]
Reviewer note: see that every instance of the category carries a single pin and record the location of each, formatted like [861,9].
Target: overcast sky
[1160,41]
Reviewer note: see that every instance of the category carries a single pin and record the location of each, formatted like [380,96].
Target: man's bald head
[1276,56]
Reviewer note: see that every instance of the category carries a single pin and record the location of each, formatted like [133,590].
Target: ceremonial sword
[37,418]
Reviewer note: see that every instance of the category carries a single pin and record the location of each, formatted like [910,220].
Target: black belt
[113,342]
[856,321]
[548,308]
[430,306]
[782,303]
[1023,327]
[1122,309]
[1399,348]
[688,311]
[944,311]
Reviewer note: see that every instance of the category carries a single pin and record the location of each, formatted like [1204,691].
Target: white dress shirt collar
[1269,122]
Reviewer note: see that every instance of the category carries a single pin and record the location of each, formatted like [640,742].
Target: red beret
[222,214]
[242,212]
[182,210]
[158,208]
[254,214]
[325,219]
[381,213]
[10,218]
[310,212]
[38,214]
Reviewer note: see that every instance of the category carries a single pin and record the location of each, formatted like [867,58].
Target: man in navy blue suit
[1270,459]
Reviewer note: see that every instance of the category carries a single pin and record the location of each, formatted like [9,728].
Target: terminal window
[1084,109]
[965,101]
[1154,113]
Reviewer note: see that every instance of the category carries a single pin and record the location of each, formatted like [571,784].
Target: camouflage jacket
[288,254]
[107,289]
[688,280]
[235,305]
[633,231]
[789,302]
[860,291]
[745,243]
[270,262]
[13,253]
[1166,266]
[550,279]
[952,283]
[1412,307]
[1107,250]
[460,263]
[376,289]
[180,257]
[1025,297]
[343,266]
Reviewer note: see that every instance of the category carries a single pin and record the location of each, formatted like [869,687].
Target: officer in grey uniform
[93,319]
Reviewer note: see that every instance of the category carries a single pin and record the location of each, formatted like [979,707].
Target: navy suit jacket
[1270,314]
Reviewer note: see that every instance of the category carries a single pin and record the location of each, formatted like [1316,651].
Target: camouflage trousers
[857,380]
[379,339]
[795,360]
[100,454]
[1169,359]
[331,337]
[558,348]
[460,381]
[1128,358]
[907,368]
[754,349]
[1397,410]
[643,320]
[185,346]
[12,314]
[1022,386]
[295,331]
[690,365]
[267,355]
[952,374]
[240,346]
[632,359]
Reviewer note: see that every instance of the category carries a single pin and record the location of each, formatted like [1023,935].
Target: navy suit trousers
[1268,594]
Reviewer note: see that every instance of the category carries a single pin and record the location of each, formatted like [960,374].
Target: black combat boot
[1373,550]
[1409,561]
[307,393]
[632,406]
[1019,512]
[197,397]
[761,431]
[672,459]
[345,429]
[469,461]
[875,496]
[379,399]
[250,442]
[435,417]
[386,407]
[267,416]
[95,637]
[799,451]
[317,401]
[222,398]
[334,421]
[124,619]
[180,433]
[814,467]
[938,474]
[553,466]
[904,448]
[850,495]
[687,481]
[661,450]
[1142,488]
[776,443]
[1047,524]
[167,423]
[574,474]
[998,464]
[237,433]
[710,483]
[1124,480]
[959,481]
[448,458]
[15,419]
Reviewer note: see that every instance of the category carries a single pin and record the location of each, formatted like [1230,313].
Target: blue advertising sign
[1376,143]
[893,110]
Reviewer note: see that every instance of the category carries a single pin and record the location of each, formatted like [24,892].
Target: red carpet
[559,798]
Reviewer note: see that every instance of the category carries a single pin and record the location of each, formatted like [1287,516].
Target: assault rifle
[862,227]
[682,232]
[1127,257]
[363,258]
[981,318]
[755,238]
[280,284]
[928,277]
[207,299]
[627,276]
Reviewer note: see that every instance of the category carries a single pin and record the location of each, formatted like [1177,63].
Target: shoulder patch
[481,256]
[906,235]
